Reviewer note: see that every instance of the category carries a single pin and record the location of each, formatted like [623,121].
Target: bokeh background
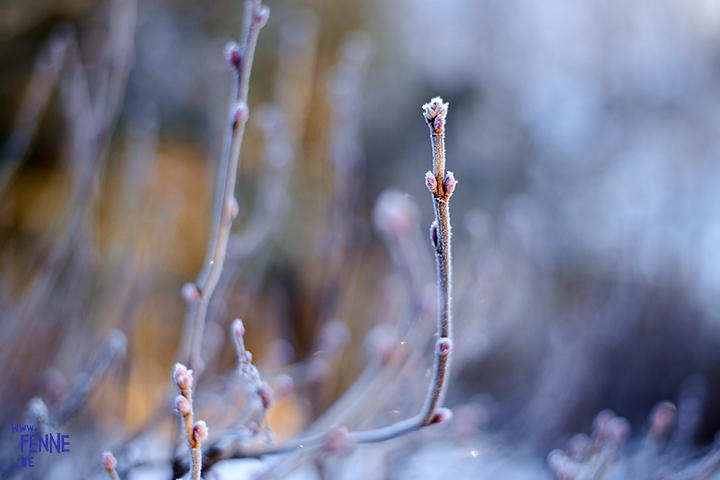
[586,223]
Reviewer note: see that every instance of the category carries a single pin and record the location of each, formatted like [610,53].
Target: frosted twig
[110,465]
[198,294]
[431,413]
[196,432]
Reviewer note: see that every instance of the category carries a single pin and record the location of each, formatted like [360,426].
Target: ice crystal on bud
[232,55]
[200,431]
[449,183]
[190,293]
[439,123]
[182,405]
[442,415]
[109,461]
[434,233]
[430,181]
[435,107]
[444,345]
[182,377]
[432,110]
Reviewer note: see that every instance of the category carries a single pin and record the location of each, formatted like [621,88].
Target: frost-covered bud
[434,108]
[444,345]
[430,182]
[266,395]
[439,124]
[618,430]
[564,467]
[578,446]
[434,233]
[442,415]
[182,405]
[190,293]
[601,422]
[261,17]
[338,442]
[449,183]
[109,461]
[662,419]
[237,328]
[200,431]
[232,207]
[232,55]
[241,113]
[284,386]
[182,377]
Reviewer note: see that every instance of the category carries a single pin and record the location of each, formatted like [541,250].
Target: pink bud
[261,17]
[662,419]
[200,431]
[442,415]
[190,293]
[241,113]
[182,377]
[444,345]
[109,461]
[430,182]
[449,183]
[601,421]
[618,430]
[434,233]
[233,208]
[439,124]
[182,405]
[266,395]
[434,108]
[232,55]
[237,328]
[338,442]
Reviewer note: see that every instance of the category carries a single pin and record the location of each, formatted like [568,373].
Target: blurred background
[586,223]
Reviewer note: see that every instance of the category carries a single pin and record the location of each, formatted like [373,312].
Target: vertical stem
[441,185]
[241,59]
[196,468]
